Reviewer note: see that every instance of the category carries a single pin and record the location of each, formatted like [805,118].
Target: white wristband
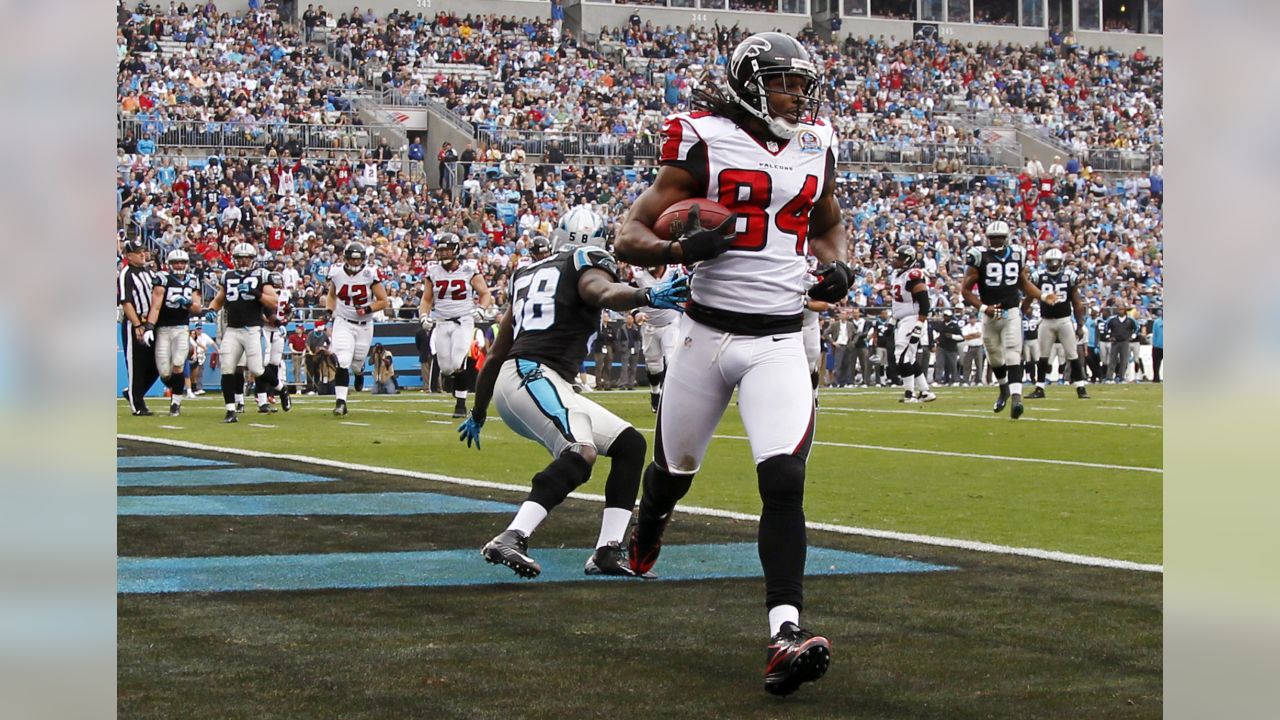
[983,309]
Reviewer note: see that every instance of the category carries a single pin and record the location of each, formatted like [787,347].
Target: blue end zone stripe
[450,568]
[227,476]
[407,503]
[129,462]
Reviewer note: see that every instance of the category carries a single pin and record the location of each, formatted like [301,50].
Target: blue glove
[184,302]
[470,431]
[211,316]
[672,294]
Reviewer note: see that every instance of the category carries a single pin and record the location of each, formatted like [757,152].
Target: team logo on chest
[809,142]
[773,146]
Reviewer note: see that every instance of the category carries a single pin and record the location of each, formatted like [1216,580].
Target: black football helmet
[539,247]
[904,257]
[770,54]
[448,245]
[353,257]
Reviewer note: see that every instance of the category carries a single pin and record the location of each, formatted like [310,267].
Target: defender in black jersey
[1060,300]
[539,348]
[1000,275]
[175,297]
[248,294]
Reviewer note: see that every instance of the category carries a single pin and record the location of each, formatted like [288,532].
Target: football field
[962,564]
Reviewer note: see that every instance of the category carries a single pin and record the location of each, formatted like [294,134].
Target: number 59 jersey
[352,291]
[772,186]
[451,290]
[552,324]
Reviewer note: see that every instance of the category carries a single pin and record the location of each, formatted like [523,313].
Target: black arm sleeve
[922,299]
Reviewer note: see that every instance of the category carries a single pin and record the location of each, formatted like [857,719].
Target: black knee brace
[565,474]
[782,540]
[1042,370]
[662,491]
[1015,373]
[1077,370]
[623,484]
[1000,372]
[655,378]
[907,369]
[177,382]
[341,377]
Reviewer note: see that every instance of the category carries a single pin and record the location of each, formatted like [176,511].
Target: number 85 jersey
[551,322]
[772,186]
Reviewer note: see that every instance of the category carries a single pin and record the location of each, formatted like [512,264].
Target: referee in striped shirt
[133,293]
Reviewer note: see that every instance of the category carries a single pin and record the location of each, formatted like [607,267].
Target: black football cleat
[795,656]
[1082,393]
[646,544]
[511,548]
[1000,401]
[285,402]
[265,409]
[231,417]
[144,412]
[460,408]
[240,408]
[611,559]
[1015,411]
[1036,394]
[175,409]
[340,408]
[653,402]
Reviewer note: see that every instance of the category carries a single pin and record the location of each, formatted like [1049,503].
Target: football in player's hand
[673,222]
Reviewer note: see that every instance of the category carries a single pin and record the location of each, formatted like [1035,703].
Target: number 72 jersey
[451,290]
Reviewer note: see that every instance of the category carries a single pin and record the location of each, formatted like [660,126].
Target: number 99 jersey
[998,274]
[352,291]
[772,186]
[552,324]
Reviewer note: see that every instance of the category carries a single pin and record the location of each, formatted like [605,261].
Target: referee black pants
[140,368]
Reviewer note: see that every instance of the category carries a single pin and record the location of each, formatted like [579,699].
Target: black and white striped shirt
[133,286]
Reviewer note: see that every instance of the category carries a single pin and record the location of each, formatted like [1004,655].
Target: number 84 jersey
[552,324]
[452,297]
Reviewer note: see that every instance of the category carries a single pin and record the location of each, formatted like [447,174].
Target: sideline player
[248,294]
[355,294]
[1000,274]
[659,329]
[174,299]
[911,318]
[539,348]
[448,311]
[1061,284]
[756,147]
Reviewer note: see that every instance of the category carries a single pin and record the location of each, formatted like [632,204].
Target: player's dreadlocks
[710,95]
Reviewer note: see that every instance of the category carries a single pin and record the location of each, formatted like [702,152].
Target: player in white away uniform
[910,316]
[448,311]
[355,294]
[757,148]
[273,332]
[659,329]
[811,327]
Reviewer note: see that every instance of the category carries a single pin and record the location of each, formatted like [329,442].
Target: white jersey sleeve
[452,294]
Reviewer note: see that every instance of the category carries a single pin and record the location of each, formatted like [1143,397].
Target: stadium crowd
[300,210]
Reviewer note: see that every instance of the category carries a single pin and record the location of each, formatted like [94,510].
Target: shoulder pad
[915,274]
[973,256]
[160,278]
[594,257]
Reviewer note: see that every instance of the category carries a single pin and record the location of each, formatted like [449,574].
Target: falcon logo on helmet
[175,258]
[244,255]
[581,226]
[1053,259]
[766,55]
[448,247]
[353,258]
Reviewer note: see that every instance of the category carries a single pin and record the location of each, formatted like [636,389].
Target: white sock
[909,384]
[231,406]
[1015,388]
[340,392]
[782,614]
[528,517]
[176,399]
[239,398]
[922,384]
[1041,384]
[613,525]
[262,398]
[1079,383]
[460,394]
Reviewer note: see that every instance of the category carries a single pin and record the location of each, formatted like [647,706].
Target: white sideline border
[976,546]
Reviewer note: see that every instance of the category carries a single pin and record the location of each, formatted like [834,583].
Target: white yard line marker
[987,415]
[357,424]
[439,422]
[170,427]
[260,425]
[973,545]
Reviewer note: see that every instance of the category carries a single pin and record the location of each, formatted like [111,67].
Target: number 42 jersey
[552,324]
[772,186]
[353,291]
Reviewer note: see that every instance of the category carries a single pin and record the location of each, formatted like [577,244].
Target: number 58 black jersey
[552,324]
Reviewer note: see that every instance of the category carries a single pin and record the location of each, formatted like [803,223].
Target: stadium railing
[223,136]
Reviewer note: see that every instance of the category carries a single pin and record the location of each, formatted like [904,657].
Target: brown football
[672,222]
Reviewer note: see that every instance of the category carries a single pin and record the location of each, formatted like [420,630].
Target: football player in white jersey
[659,329]
[273,333]
[811,327]
[448,310]
[355,294]
[911,316]
[756,147]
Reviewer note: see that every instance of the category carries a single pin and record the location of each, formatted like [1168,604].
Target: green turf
[998,637]
[1113,513]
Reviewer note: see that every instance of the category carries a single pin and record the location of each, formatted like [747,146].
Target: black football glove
[833,283]
[698,243]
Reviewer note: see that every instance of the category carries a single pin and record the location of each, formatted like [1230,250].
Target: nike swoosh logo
[779,339]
